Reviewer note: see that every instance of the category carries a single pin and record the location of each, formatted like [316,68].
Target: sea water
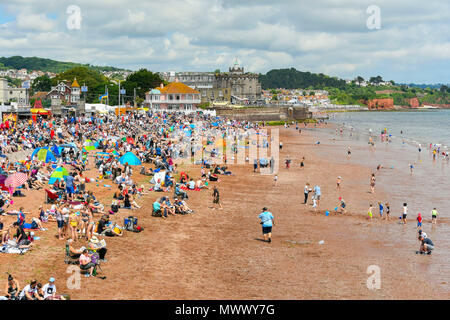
[427,187]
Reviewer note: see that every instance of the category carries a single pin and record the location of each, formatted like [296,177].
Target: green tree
[42,83]
[142,80]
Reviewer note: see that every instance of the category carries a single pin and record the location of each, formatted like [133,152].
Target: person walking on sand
[381,208]
[369,212]
[434,215]
[338,183]
[411,167]
[372,183]
[306,192]
[302,163]
[388,210]
[405,212]
[216,198]
[267,222]
[275,180]
[288,162]
[349,152]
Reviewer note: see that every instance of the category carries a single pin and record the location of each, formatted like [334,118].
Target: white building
[7,93]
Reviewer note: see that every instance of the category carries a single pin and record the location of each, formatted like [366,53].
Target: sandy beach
[218,254]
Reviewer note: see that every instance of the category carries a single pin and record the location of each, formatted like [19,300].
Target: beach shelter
[58,174]
[131,159]
[43,155]
[89,145]
[54,149]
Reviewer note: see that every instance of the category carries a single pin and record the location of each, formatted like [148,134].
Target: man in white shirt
[29,291]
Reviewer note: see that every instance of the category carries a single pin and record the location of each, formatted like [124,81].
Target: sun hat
[94,239]
[52,279]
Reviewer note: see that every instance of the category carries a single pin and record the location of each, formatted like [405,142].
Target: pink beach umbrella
[16,179]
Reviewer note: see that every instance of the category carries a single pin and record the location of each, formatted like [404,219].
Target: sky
[402,40]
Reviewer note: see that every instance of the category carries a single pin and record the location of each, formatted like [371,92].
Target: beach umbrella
[16,179]
[131,159]
[44,155]
[89,145]
[58,174]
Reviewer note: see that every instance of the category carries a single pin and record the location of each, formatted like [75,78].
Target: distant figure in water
[401,131]
[349,152]
[411,167]
[420,148]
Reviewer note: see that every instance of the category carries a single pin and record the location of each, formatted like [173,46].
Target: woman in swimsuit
[372,183]
[12,288]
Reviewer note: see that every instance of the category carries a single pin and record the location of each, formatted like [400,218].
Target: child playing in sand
[369,212]
[419,221]
[314,203]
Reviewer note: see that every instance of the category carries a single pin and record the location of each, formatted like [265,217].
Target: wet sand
[218,254]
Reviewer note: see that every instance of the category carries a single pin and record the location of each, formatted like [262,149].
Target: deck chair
[50,197]
[69,259]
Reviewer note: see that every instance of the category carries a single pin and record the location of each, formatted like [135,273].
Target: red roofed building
[176,96]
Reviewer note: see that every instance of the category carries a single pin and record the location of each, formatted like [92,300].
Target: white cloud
[328,36]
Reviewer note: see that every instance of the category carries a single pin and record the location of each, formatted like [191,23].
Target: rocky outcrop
[381,104]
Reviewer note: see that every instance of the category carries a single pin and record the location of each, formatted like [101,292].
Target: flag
[103,96]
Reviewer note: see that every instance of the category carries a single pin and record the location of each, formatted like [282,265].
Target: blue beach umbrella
[131,159]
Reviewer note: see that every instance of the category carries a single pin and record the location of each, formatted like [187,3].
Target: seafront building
[176,96]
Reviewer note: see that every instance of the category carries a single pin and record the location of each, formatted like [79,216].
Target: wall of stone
[266,113]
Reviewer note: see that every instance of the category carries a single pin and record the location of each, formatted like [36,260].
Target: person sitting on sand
[156,209]
[12,289]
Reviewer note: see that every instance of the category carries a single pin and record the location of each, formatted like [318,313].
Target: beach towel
[186,188]
[28,226]
[7,248]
